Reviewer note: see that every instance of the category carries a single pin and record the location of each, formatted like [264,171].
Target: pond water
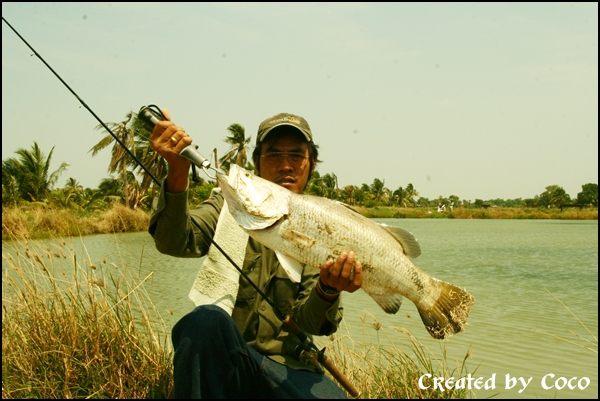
[517,270]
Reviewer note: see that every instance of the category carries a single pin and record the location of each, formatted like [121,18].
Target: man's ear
[313,166]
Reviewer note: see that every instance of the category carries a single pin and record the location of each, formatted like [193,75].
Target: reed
[75,329]
[587,340]
[41,222]
[390,212]
[393,371]
[71,329]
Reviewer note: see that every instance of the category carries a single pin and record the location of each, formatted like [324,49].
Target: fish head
[254,202]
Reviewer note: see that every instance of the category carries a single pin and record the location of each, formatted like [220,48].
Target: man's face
[293,170]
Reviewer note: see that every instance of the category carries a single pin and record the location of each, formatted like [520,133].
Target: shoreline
[39,223]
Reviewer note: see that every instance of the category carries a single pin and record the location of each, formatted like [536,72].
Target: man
[250,353]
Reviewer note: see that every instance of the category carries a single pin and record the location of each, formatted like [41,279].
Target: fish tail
[449,313]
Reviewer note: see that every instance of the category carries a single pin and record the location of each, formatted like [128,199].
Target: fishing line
[262,294]
[306,346]
[85,105]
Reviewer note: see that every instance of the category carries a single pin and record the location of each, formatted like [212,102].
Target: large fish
[310,229]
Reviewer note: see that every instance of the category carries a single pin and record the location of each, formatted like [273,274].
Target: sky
[476,100]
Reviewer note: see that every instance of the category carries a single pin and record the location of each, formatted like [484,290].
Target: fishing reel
[151,115]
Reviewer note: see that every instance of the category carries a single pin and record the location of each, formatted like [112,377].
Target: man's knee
[208,315]
[204,320]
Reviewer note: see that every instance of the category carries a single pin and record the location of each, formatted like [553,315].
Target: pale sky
[477,100]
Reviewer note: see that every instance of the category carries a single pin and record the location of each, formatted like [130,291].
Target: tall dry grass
[71,329]
[390,212]
[587,340]
[40,222]
[393,371]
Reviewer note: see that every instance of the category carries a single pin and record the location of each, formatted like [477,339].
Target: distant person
[441,207]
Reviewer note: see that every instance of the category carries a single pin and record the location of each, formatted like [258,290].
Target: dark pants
[212,360]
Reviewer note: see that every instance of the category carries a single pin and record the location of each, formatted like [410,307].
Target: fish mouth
[222,180]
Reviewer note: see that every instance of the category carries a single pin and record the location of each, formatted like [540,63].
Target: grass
[34,223]
[480,213]
[40,222]
[579,340]
[394,371]
[71,329]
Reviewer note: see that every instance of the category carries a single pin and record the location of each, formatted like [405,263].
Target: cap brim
[264,134]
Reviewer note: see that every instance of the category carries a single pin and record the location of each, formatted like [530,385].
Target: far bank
[40,222]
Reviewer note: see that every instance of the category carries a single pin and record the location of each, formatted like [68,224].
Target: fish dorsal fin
[409,243]
[292,267]
[389,303]
[348,206]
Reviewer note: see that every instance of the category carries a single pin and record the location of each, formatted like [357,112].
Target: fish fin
[348,206]
[292,267]
[389,303]
[449,313]
[409,243]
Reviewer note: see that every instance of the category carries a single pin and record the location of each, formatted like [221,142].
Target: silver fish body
[312,230]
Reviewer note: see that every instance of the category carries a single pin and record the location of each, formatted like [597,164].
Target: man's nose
[285,164]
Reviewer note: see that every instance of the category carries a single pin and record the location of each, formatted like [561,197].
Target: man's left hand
[344,273]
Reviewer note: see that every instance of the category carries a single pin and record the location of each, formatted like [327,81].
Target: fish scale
[312,230]
[341,229]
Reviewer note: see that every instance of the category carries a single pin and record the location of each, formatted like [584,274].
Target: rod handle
[326,362]
[151,115]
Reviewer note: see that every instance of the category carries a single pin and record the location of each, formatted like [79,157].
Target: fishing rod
[307,351]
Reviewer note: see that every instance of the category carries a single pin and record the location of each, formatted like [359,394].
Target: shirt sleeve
[179,232]
[316,315]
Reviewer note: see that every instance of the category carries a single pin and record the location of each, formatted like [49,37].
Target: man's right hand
[168,140]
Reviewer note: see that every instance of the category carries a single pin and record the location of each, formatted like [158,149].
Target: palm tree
[348,194]
[137,195]
[378,190]
[404,197]
[398,196]
[136,138]
[363,195]
[118,161]
[330,185]
[238,153]
[10,184]
[73,193]
[146,154]
[314,185]
[410,193]
[29,176]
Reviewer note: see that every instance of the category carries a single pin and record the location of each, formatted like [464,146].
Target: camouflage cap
[283,119]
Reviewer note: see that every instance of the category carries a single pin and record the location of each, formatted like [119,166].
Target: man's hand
[344,273]
[168,140]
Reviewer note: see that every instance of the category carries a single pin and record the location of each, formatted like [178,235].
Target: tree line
[27,179]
